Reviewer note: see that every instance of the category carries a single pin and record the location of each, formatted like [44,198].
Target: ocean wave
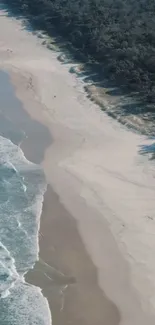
[25,305]
[22,187]
[8,272]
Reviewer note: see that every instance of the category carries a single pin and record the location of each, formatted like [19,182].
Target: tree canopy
[119,34]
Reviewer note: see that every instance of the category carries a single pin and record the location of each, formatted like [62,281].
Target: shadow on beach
[148,150]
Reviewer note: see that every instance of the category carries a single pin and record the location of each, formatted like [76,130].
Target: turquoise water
[22,186]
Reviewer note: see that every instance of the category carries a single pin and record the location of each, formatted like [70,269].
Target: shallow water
[22,186]
[17,125]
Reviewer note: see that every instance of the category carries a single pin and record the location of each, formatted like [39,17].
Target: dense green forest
[119,34]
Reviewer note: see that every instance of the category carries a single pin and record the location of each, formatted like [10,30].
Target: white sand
[95,166]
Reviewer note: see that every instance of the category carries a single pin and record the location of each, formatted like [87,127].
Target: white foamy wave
[21,206]
[11,154]
[25,305]
[8,272]
[22,187]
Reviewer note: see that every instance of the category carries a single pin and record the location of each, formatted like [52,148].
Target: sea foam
[22,187]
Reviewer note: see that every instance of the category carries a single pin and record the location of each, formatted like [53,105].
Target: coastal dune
[98,217]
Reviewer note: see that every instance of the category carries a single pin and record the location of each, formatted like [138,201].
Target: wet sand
[70,284]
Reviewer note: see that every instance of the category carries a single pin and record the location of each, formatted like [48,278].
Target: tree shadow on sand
[148,150]
[93,71]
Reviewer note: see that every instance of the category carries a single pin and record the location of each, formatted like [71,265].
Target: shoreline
[79,166]
[68,285]
[66,288]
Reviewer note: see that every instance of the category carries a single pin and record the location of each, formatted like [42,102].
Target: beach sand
[97,227]
[64,271]
[70,284]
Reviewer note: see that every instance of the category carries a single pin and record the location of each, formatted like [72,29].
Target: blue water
[22,186]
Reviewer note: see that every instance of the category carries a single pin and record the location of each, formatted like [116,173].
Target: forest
[118,34]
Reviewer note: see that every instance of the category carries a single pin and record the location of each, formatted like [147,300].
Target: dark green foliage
[120,34]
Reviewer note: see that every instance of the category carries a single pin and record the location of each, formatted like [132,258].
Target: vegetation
[119,34]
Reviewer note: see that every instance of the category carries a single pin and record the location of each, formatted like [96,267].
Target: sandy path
[95,167]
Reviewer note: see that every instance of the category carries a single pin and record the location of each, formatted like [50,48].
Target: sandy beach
[71,284]
[97,227]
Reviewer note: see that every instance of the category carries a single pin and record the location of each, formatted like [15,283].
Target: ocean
[22,187]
